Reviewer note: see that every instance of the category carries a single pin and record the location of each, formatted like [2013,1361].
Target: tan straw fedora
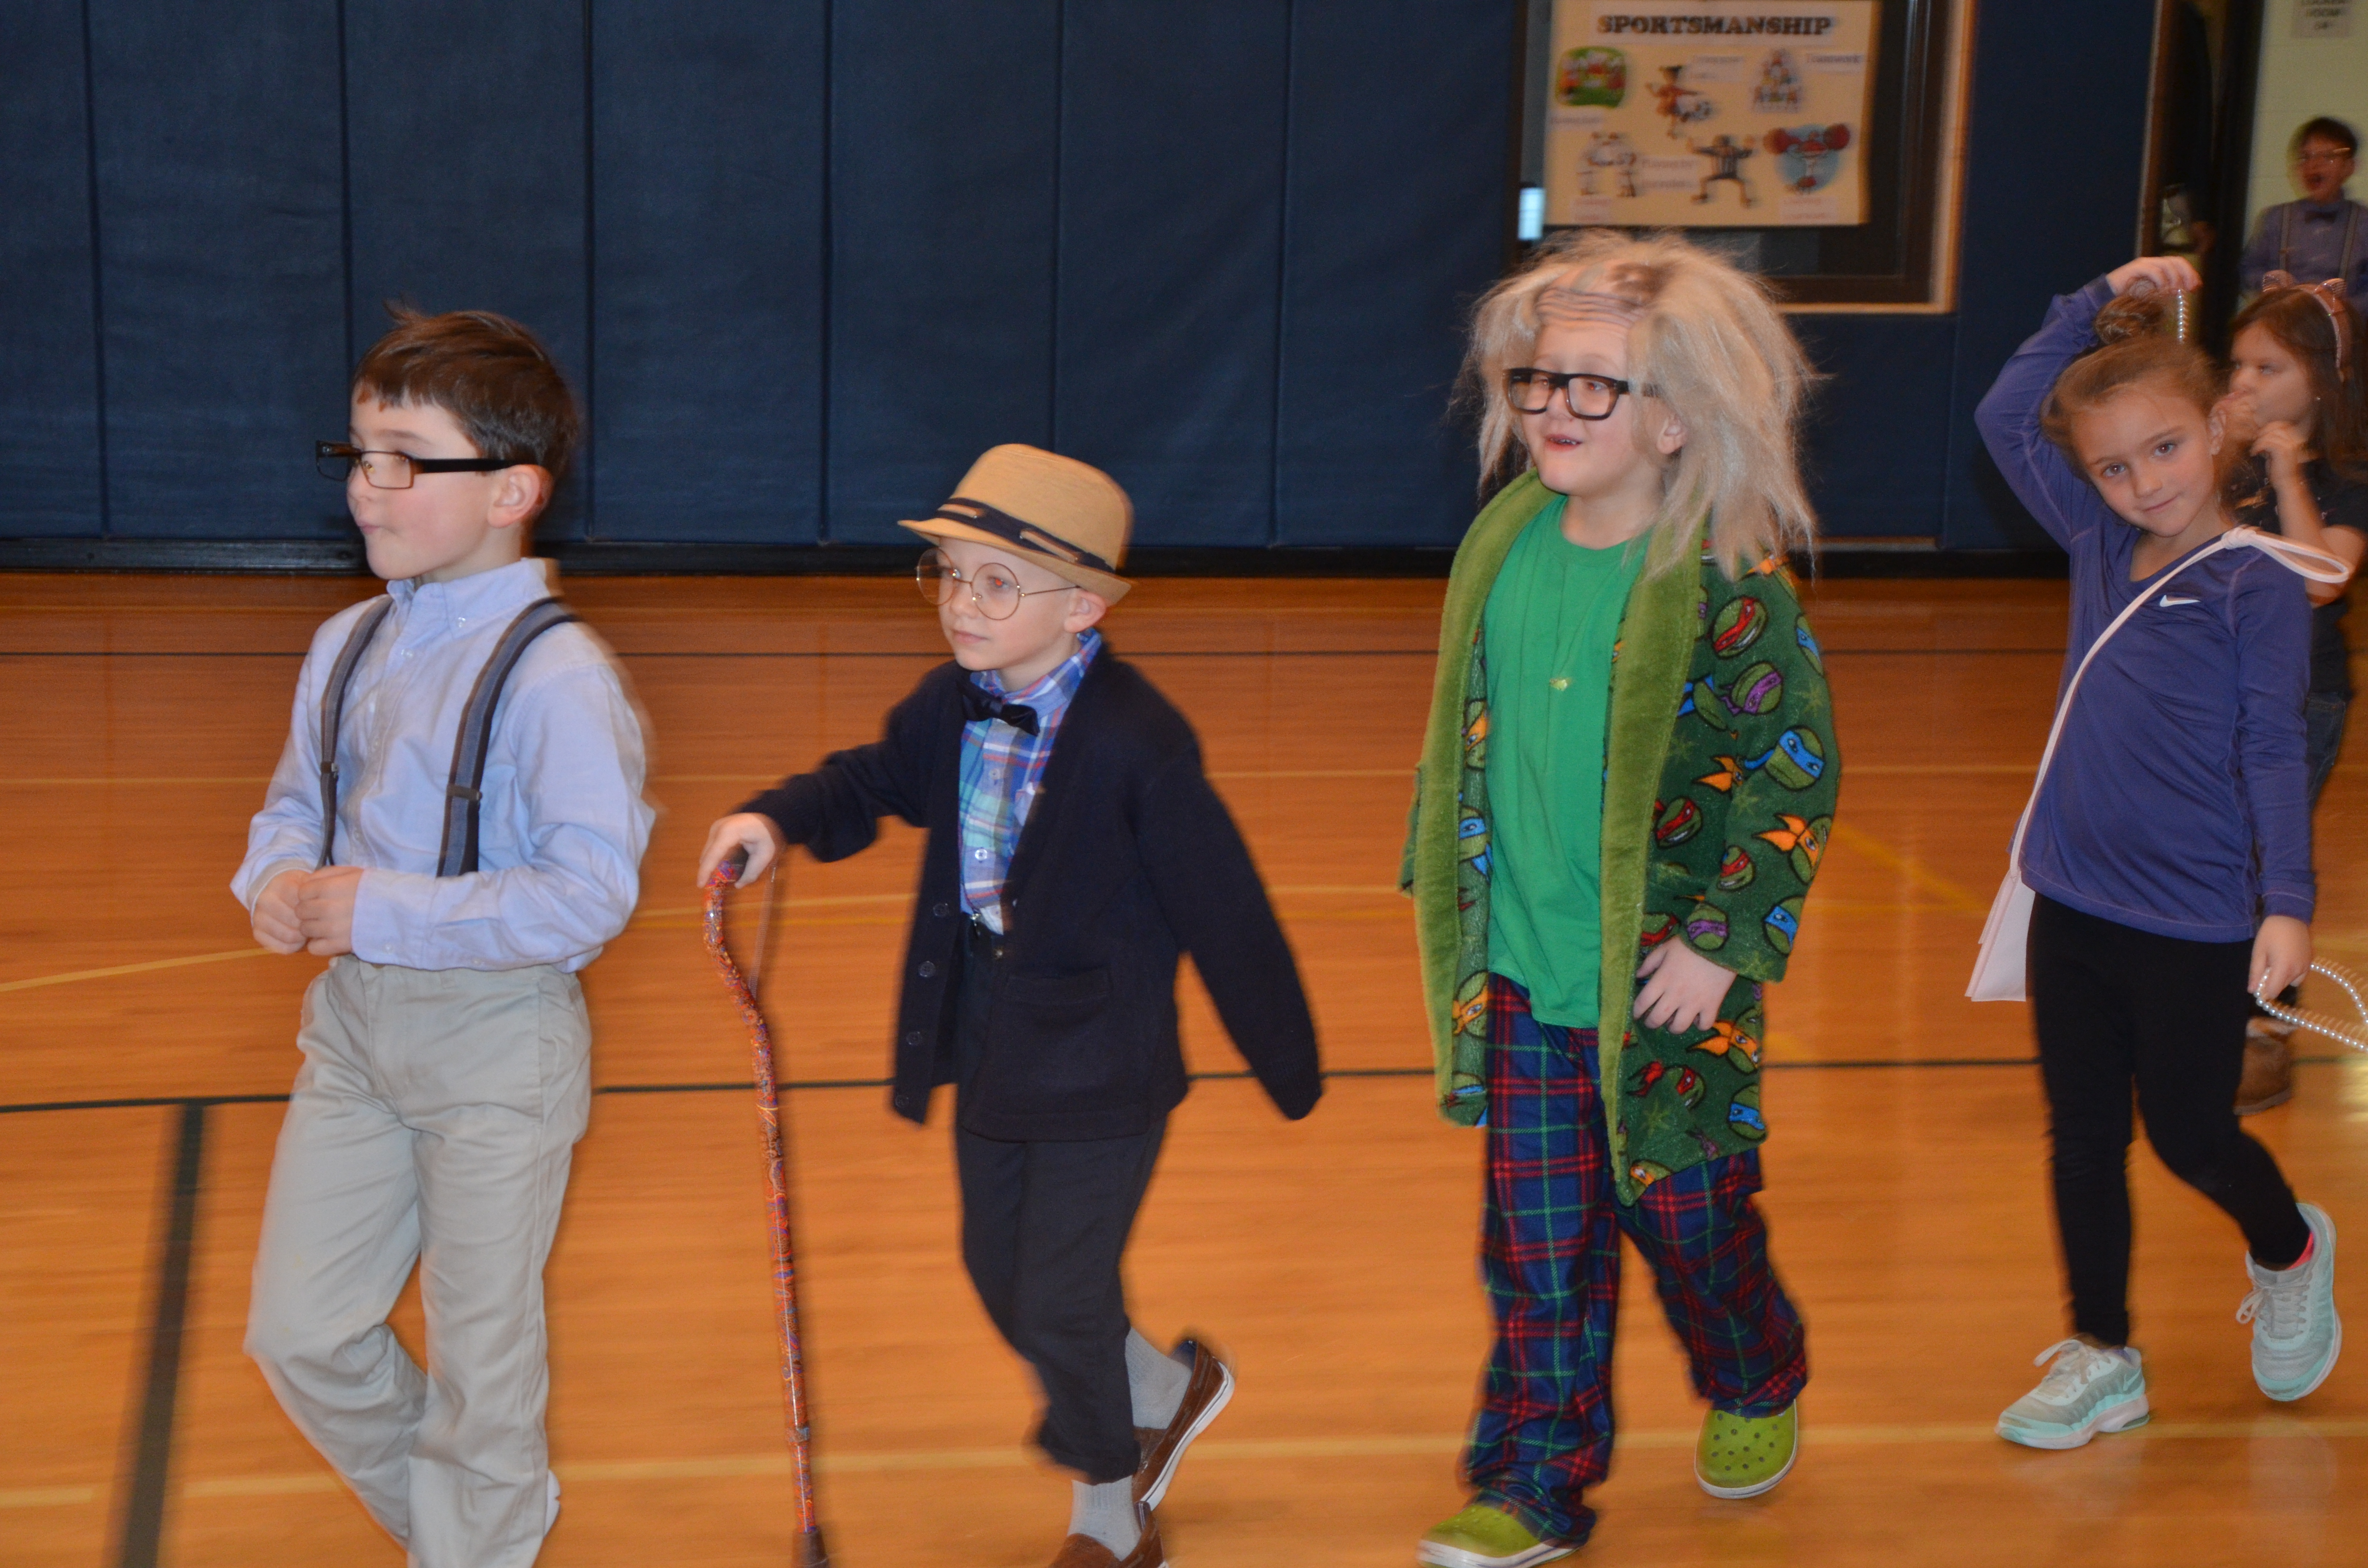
[1066,516]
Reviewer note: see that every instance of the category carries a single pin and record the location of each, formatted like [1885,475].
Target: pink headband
[2328,294]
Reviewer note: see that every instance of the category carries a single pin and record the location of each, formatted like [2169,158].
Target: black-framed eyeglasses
[994,587]
[393,470]
[1587,396]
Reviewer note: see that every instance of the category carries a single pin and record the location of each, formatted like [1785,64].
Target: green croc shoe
[1485,1536]
[1742,1456]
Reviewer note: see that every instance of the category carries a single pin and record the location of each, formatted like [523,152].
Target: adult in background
[2324,235]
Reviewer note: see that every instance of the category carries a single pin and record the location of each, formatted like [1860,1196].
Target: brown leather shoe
[1084,1551]
[2269,1066]
[1163,1448]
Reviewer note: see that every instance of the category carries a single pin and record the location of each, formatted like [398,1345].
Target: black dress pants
[2117,1007]
[1044,1227]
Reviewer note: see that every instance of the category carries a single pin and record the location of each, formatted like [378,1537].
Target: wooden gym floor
[143,1043]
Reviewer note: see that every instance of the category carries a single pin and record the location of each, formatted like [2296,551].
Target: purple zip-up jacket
[2177,802]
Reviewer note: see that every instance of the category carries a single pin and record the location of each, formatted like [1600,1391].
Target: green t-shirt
[1553,617]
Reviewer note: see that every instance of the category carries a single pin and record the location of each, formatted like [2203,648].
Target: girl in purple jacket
[2170,845]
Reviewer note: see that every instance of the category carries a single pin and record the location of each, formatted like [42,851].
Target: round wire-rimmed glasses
[994,587]
[1588,396]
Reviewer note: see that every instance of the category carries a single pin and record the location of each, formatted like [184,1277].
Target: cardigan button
[940,910]
[927,969]
[913,1039]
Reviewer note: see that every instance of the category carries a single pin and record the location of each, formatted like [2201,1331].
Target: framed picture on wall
[1666,115]
[1812,139]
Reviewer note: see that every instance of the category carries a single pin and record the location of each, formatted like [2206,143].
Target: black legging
[2112,1006]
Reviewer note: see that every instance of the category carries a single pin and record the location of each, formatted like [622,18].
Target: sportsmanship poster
[1709,113]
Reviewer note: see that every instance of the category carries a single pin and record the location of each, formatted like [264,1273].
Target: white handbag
[1997,972]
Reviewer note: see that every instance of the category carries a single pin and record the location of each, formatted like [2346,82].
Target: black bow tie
[978,705]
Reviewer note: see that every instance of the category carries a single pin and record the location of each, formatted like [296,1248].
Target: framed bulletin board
[1815,138]
[1663,113]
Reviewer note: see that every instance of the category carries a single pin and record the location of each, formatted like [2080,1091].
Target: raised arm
[2066,504]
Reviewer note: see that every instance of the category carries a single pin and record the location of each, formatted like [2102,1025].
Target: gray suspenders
[333,713]
[463,794]
[2285,242]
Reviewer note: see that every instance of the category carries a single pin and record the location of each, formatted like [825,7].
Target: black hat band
[1028,536]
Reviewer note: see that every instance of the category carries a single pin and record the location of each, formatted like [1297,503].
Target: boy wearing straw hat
[1075,851]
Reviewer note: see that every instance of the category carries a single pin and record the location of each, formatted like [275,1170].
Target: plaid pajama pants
[1550,1257]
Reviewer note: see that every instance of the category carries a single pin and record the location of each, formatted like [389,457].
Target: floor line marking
[145,1490]
[159,781]
[69,976]
[740,1086]
[1956,894]
[48,1496]
[1857,770]
[1251,1451]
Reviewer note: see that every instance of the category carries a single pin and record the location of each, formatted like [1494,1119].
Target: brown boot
[1084,1551]
[2269,1066]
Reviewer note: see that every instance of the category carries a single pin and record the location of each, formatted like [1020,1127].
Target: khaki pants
[432,1122]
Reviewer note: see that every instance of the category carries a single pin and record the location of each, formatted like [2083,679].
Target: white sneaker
[2297,1335]
[2087,1391]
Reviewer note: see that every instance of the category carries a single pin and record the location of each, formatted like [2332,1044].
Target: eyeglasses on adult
[994,587]
[1588,396]
[393,470]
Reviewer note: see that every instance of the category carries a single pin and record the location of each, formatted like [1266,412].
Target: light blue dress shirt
[562,825]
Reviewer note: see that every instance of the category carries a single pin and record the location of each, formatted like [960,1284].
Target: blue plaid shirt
[1001,767]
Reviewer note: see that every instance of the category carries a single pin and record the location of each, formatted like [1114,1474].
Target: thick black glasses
[994,587]
[1588,397]
[393,470]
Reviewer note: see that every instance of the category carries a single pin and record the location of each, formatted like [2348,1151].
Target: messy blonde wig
[1708,344]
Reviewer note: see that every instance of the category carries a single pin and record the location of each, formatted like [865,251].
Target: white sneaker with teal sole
[2088,1391]
[2296,1335]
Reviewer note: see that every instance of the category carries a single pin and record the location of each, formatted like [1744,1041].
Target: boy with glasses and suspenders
[2324,236]
[1059,886]
[446,1073]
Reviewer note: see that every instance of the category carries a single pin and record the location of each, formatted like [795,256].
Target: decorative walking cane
[810,1551]
[2354,1035]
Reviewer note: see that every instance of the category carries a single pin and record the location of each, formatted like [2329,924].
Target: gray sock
[1105,1513]
[1155,1379]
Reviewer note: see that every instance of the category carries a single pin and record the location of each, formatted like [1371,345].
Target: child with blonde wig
[1627,780]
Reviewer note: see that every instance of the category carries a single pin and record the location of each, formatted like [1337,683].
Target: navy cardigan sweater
[1127,861]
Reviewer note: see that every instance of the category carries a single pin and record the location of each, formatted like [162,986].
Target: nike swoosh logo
[2166,602]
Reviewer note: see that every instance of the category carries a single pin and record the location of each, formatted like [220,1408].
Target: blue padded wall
[2044,212]
[707,266]
[466,130]
[803,260]
[50,454]
[1397,221]
[1173,125]
[945,126]
[222,270]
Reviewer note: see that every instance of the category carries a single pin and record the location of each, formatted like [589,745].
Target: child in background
[1059,886]
[1627,780]
[447,1067]
[2297,403]
[2169,847]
